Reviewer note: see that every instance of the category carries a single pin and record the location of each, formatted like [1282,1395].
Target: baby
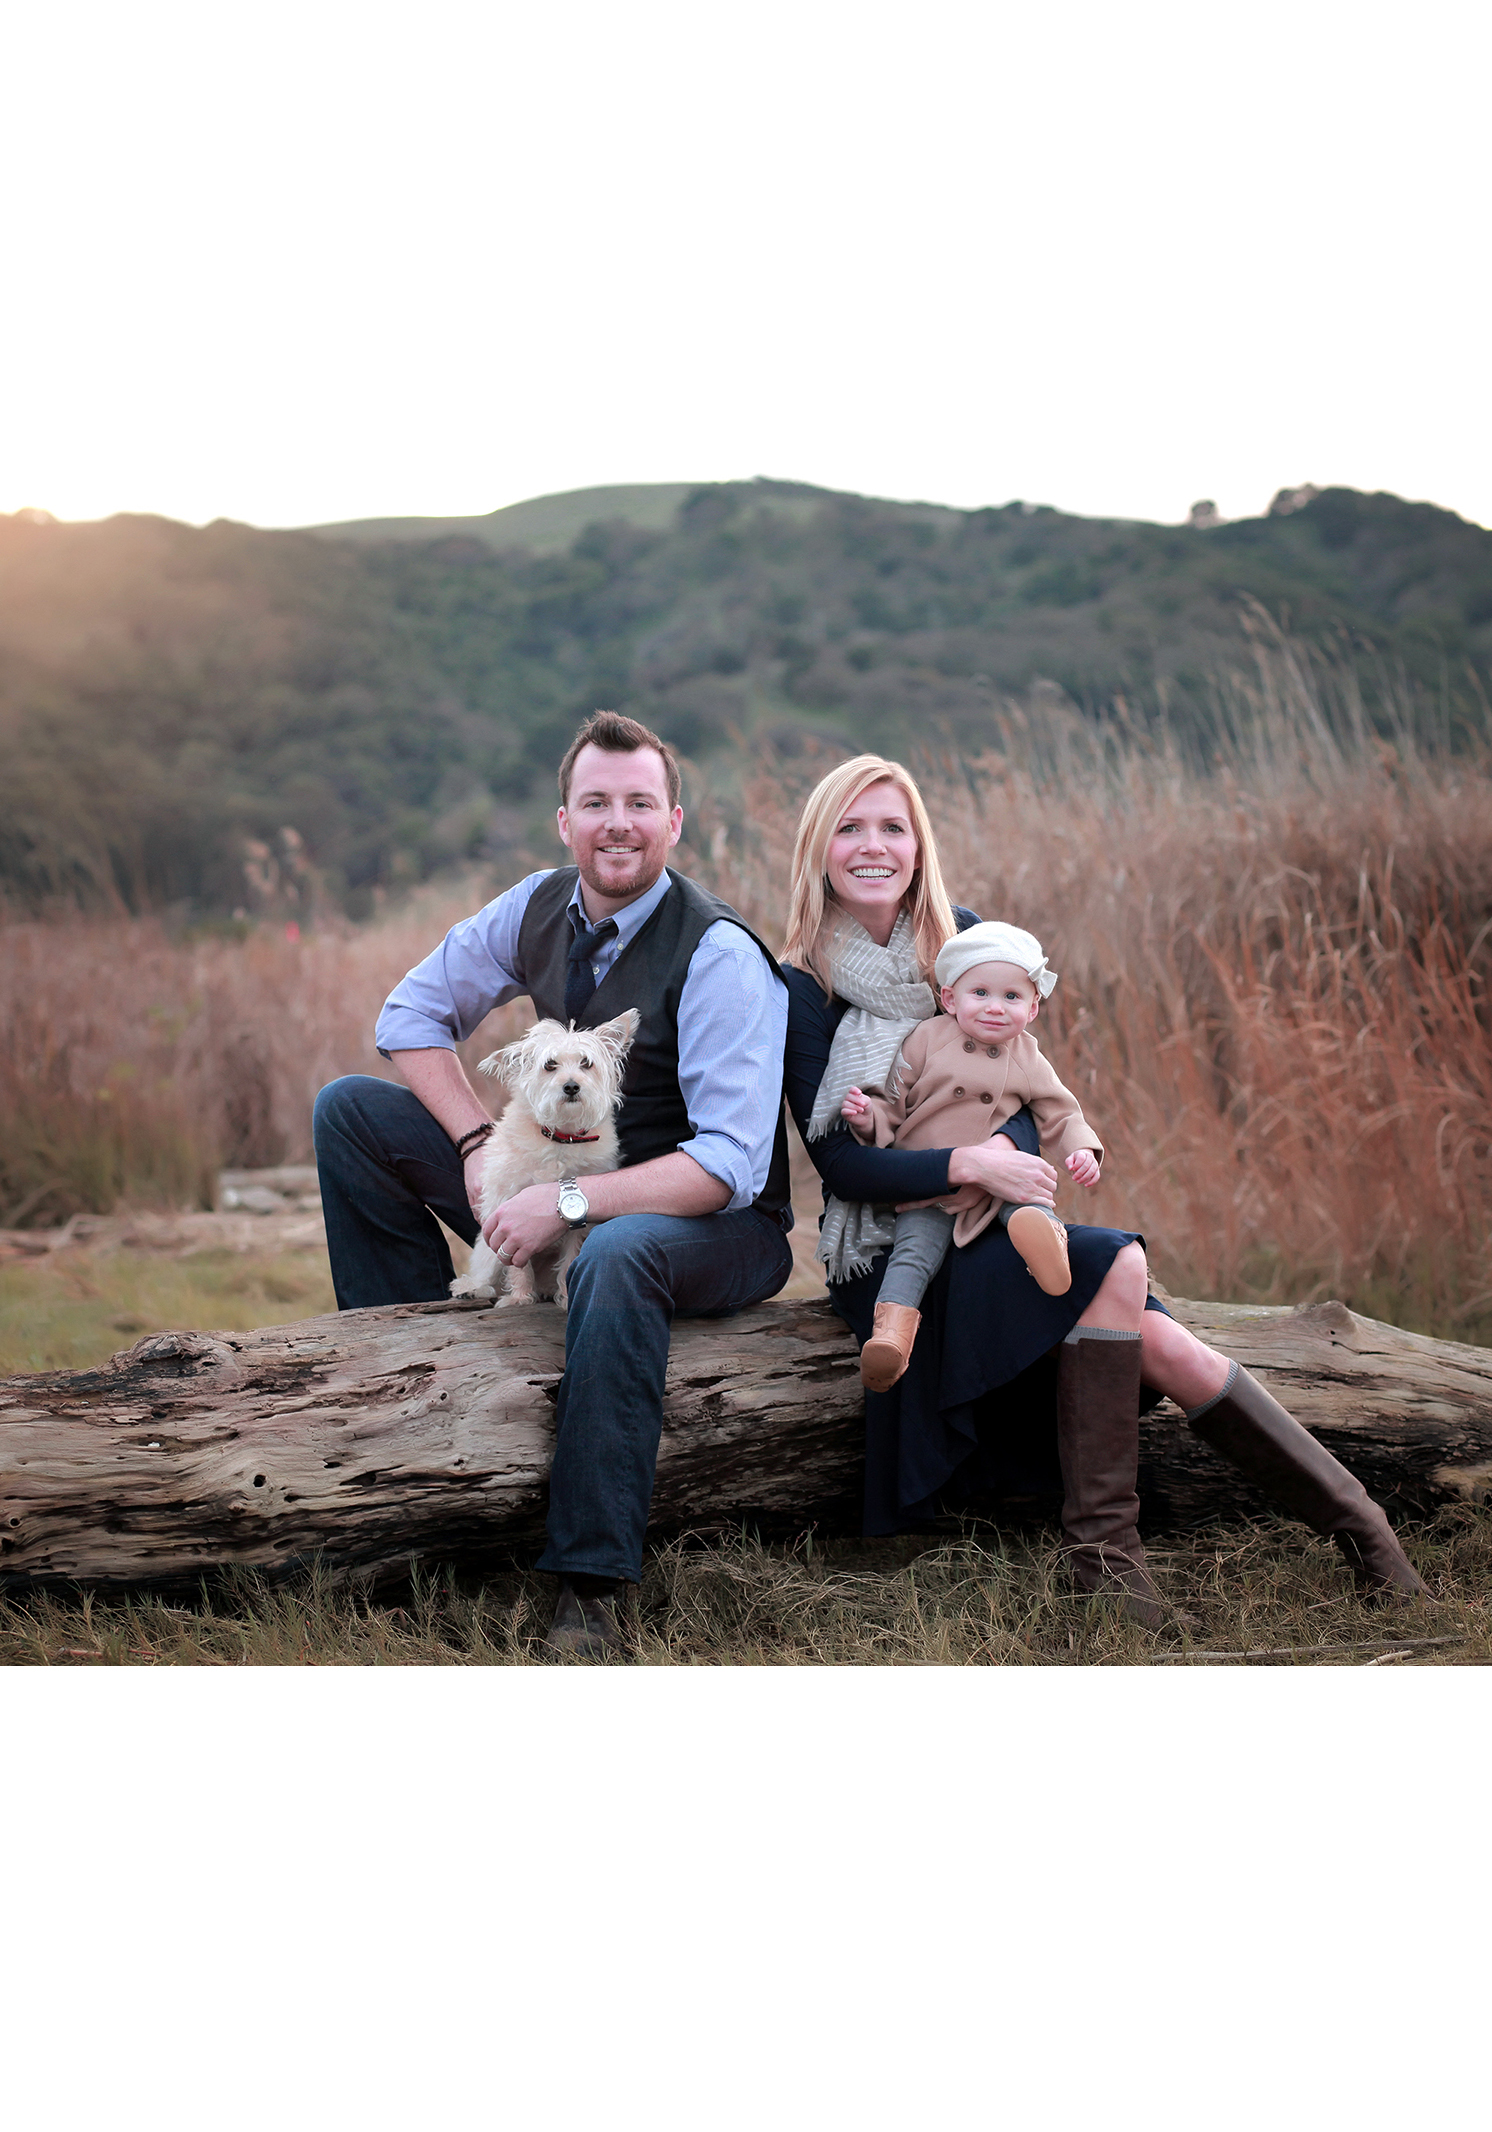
[956,1080]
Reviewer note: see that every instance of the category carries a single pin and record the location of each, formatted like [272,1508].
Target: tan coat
[953,1092]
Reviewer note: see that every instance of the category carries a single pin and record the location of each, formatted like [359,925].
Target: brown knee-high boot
[1098,1441]
[1255,1434]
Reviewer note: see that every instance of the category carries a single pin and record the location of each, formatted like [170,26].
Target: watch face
[573,1203]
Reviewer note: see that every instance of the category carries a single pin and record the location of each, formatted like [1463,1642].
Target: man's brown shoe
[887,1352]
[586,1628]
[1042,1243]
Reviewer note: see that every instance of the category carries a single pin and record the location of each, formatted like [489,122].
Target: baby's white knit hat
[995,942]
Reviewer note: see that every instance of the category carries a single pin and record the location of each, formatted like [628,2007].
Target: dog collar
[569,1139]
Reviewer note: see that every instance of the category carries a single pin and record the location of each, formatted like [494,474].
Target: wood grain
[427,1430]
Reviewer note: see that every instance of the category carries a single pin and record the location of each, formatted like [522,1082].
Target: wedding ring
[502,1258]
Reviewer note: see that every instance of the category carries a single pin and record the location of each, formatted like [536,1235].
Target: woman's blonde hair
[813,908]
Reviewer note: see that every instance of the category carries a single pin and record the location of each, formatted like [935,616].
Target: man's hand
[1083,1168]
[528,1222]
[669,1184]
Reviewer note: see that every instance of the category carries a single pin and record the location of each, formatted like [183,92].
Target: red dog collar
[569,1139]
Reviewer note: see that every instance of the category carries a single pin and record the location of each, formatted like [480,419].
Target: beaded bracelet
[474,1138]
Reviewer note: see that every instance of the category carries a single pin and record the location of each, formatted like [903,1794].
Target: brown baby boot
[1042,1242]
[887,1352]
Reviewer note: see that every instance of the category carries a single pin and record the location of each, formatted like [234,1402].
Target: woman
[868,914]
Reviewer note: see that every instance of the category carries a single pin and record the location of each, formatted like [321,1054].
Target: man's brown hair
[618,736]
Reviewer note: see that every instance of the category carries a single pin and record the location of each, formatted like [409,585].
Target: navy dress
[976,1409]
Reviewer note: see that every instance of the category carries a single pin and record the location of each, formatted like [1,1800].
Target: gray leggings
[922,1240]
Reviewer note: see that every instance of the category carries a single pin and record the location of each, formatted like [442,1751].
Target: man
[696,1218]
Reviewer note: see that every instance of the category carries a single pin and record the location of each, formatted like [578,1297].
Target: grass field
[71,1299]
[1268,1595]
[75,1308]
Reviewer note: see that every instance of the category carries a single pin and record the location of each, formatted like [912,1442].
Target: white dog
[560,1122]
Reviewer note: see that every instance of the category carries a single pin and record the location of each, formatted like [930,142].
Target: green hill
[544,524]
[170,695]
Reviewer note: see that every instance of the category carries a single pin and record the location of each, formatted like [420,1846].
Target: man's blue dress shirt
[732,1021]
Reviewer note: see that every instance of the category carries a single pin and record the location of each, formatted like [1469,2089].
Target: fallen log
[426,1430]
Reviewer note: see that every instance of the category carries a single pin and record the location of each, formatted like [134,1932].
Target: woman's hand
[999,1168]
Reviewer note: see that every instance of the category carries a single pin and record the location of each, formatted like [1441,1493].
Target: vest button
[958,1091]
[986,1097]
[968,1044]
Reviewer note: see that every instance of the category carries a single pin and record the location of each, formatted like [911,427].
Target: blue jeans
[633,1276]
[385,1164]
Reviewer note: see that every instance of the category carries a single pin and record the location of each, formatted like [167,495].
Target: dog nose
[572,1090]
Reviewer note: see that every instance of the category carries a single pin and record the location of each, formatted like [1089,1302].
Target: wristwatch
[573,1204]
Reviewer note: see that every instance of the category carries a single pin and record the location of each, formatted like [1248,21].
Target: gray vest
[649,975]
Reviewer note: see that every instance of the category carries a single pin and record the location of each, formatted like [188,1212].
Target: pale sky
[293,263]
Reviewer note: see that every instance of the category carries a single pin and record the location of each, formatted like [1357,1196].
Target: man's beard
[646,871]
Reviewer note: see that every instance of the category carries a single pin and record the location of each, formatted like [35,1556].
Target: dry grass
[135,1065]
[1273,1001]
[1274,996]
[1270,1595]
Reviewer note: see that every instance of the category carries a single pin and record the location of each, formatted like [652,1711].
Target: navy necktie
[580,984]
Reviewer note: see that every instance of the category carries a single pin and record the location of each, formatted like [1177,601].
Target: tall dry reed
[1274,967]
[1273,998]
[134,1066]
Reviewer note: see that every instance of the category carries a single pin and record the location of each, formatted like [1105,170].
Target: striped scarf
[887,999]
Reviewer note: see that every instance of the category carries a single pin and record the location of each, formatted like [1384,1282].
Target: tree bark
[426,1430]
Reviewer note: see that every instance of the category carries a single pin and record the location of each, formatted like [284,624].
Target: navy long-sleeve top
[883,1175]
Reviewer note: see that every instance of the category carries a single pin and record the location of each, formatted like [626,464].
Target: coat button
[994,1051]
[958,1091]
[968,1044]
[986,1097]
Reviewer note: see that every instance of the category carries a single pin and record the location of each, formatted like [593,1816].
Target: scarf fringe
[849,1261]
[887,997]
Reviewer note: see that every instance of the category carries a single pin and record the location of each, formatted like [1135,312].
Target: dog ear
[511,1063]
[502,1065]
[617,1035]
